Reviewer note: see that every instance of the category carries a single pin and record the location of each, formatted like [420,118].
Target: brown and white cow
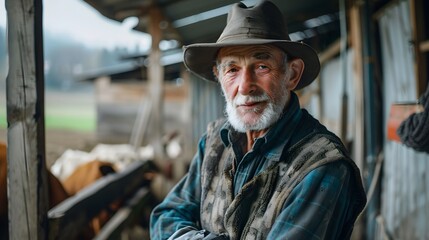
[83,176]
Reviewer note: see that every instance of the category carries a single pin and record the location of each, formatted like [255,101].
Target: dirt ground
[57,141]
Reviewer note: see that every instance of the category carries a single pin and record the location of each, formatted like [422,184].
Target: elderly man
[270,171]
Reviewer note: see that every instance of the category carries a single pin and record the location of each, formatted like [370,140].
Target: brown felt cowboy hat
[260,24]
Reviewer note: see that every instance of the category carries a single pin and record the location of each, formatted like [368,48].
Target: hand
[212,236]
[190,233]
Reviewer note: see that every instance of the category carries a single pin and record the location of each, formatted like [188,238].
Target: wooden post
[356,43]
[418,29]
[358,143]
[156,79]
[27,179]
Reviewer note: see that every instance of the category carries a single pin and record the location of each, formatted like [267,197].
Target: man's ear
[296,68]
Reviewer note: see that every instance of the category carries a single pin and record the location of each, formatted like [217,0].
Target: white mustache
[243,99]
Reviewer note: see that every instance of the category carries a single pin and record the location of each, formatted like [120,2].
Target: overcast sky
[79,21]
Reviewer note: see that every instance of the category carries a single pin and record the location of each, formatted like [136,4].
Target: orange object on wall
[398,113]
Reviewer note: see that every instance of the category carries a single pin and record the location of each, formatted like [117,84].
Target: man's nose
[247,82]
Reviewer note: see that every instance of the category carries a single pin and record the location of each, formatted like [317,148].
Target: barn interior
[151,112]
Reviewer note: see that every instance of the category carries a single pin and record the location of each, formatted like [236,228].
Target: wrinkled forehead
[259,52]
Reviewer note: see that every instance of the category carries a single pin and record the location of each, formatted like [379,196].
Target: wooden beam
[356,42]
[126,216]
[332,51]
[358,143]
[27,178]
[74,213]
[156,76]
[424,46]
[418,28]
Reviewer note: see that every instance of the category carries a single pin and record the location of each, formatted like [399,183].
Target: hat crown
[263,21]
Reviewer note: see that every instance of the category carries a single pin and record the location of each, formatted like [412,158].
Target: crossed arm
[316,209]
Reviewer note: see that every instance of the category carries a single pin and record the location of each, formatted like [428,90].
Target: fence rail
[128,186]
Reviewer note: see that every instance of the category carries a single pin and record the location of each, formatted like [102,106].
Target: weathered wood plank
[27,179]
[125,216]
[76,212]
[424,46]
[358,143]
[418,31]
[356,43]
[156,83]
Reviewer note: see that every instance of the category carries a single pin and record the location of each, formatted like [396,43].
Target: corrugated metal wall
[207,105]
[332,86]
[405,185]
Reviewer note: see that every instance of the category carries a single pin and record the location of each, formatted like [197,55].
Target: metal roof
[135,68]
[190,21]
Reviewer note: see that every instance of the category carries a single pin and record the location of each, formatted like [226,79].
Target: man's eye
[262,67]
[231,70]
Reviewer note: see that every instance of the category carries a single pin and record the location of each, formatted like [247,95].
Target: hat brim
[200,58]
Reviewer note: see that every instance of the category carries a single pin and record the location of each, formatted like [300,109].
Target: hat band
[251,34]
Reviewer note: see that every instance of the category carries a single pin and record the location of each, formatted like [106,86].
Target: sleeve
[318,207]
[178,215]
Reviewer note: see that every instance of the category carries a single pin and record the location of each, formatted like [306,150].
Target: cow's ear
[105,170]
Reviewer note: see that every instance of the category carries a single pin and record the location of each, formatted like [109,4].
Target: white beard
[268,117]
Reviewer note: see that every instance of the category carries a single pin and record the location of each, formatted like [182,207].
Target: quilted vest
[253,211]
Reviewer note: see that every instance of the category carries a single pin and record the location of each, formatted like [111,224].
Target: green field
[53,120]
[72,121]
[3,117]
[64,111]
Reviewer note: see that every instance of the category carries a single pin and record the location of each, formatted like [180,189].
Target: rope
[414,131]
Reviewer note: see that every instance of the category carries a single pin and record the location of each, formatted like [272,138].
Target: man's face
[254,81]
